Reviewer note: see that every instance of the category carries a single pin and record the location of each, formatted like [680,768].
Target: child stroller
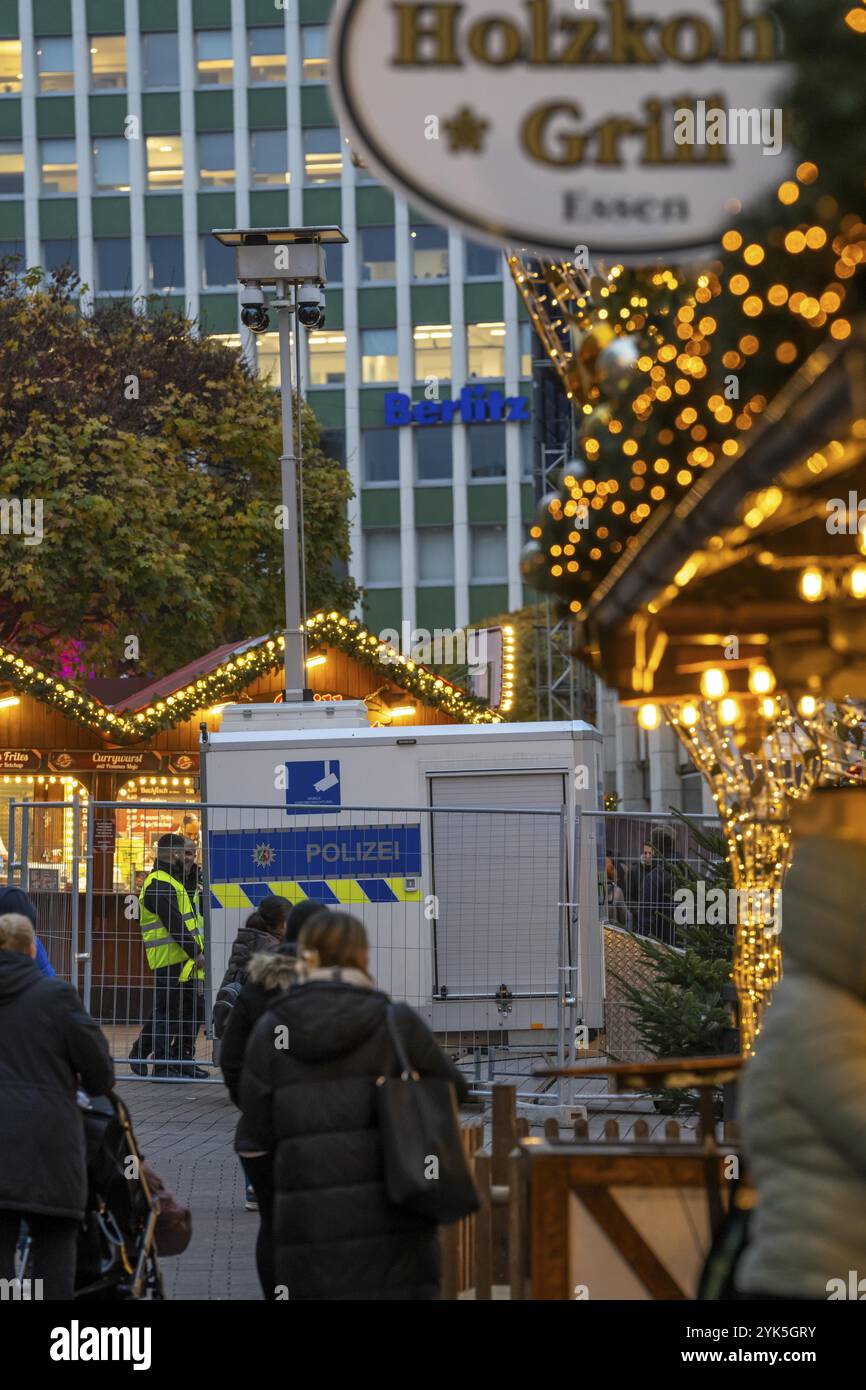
[117,1257]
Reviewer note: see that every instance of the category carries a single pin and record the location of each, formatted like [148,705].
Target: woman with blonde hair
[308,1094]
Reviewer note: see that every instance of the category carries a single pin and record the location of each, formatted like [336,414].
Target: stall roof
[224,673]
[726,559]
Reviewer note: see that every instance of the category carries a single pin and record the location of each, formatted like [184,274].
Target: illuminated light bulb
[811,584]
[861,536]
[714,684]
[729,711]
[689,716]
[768,708]
[857,581]
[649,717]
[807,706]
[761,680]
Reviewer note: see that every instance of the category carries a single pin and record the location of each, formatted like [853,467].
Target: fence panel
[472,913]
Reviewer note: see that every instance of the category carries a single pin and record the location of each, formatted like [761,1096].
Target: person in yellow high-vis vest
[172,932]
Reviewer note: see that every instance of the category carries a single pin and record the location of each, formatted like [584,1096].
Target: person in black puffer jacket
[263,930]
[270,974]
[312,1106]
[48,1045]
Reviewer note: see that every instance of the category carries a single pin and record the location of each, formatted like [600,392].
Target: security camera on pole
[293,262]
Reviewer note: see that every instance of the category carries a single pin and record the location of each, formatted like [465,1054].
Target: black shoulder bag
[426,1171]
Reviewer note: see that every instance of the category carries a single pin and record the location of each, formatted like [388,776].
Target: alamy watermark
[444,646]
[713,125]
[22,517]
[718,907]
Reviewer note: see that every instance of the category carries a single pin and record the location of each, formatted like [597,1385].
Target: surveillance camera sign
[315,783]
[635,127]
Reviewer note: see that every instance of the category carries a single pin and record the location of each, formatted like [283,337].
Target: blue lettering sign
[350,851]
[474,405]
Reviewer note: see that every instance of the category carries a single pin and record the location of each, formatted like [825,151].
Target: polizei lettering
[436,35]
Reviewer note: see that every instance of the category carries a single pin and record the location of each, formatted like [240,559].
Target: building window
[435,554]
[267,56]
[486,451]
[10,65]
[165,263]
[11,166]
[526,451]
[216,159]
[113,264]
[269,158]
[110,164]
[164,161]
[377,253]
[432,342]
[380,454]
[107,61]
[214,65]
[327,358]
[268,356]
[429,253]
[432,453]
[314,49]
[218,264]
[323,154]
[482,262]
[379,354]
[488,552]
[529,348]
[60,251]
[334,262]
[54,65]
[160,64]
[333,444]
[59,166]
[13,251]
[382,558]
[485,348]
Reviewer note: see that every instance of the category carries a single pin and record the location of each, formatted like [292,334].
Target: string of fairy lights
[658,397]
[231,678]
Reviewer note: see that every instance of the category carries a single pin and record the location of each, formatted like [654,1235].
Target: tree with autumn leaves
[155,454]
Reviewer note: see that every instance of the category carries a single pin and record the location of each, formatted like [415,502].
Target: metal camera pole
[290,464]
[286,258]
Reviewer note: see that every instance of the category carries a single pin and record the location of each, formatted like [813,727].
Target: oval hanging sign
[634,127]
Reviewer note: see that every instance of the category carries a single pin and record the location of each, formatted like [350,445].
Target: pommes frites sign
[628,126]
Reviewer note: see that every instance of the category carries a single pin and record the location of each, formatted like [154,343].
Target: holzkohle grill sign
[633,127]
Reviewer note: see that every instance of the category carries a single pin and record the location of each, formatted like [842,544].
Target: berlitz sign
[474,404]
[632,127]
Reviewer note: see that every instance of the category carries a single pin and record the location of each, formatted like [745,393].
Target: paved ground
[185,1131]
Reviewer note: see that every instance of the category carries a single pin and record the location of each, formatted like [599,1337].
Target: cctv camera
[311,306]
[254,312]
[255,318]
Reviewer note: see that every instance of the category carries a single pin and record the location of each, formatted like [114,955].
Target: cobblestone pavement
[185,1131]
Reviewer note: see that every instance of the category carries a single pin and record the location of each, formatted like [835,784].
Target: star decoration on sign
[263,856]
[466,130]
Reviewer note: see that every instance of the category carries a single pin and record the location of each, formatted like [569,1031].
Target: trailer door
[497,875]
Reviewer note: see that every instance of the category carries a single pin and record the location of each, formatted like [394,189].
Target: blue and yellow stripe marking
[346,892]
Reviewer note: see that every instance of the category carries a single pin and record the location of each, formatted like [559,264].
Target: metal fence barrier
[472,914]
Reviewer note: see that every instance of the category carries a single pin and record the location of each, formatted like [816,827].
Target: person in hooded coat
[48,1043]
[312,1106]
[16,900]
[263,931]
[268,974]
[802,1104]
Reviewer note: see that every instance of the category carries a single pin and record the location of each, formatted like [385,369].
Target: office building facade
[129,129]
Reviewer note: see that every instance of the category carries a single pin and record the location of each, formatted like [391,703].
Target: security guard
[172,930]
